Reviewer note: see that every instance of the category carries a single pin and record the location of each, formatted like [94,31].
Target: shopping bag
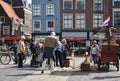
[98,54]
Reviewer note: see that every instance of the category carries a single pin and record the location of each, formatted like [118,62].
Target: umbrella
[74,39]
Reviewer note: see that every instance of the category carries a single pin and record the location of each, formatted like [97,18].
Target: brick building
[80,17]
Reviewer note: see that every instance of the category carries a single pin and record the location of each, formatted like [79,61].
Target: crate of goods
[66,63]
[85,67]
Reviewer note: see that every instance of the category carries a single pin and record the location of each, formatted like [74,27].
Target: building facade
[74,18]
[80,17]
[45,18]
[24,12]
[15,17]
[6,19]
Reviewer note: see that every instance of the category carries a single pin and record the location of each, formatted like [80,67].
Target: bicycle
[7,56]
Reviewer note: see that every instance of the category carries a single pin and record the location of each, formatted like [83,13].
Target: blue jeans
[95,58]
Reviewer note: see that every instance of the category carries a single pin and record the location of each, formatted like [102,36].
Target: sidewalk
[57,76]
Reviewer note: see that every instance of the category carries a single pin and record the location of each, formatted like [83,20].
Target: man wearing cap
[21,50]
[50,44]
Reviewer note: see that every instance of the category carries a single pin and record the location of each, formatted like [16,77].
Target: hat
[95,41]
[22,37]
[53,33]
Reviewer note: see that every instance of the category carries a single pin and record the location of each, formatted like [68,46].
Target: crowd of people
[49,51]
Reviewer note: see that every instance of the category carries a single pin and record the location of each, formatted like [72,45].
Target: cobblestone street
[12,73]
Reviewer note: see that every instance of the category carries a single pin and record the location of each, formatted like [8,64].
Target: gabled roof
[19,3]
[8,9]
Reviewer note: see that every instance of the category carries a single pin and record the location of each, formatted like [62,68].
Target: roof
[8,9]
[17,3]
[21,3]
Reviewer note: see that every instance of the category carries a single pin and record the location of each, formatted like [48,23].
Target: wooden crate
[66,63]
[85,67]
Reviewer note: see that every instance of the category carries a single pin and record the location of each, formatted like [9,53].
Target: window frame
[3,18]
[68,21]
[39,29]
[113,15]
[117,2]
[71,4]
[47,28]
[101,9]
[99,24]
[50,14]
[76,5]
[36,11]
[8,32]
[80,19]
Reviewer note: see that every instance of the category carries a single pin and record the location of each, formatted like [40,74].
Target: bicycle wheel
[5,59]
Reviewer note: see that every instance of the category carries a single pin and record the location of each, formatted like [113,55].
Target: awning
[75,39]
[7,38]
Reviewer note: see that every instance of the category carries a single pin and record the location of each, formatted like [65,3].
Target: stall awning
[7,38]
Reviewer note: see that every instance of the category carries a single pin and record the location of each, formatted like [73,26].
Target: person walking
[21,51]
[14,47]
[33,51]
[59,54]
[41,45]
[50,44]
[39,51]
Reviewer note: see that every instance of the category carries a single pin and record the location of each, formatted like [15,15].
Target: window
[116,17]
[36,10]
[2,19]
[37,25]
[6,30]
[50,25]
[27,19]
[67,21]
[97,20]
[80,4]
[50,9]
[80,21]
[116,3]
[67,4]
[97,5]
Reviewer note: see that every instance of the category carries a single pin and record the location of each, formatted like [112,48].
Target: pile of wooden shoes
[64,69]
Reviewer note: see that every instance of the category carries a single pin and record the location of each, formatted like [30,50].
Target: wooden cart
[109,56]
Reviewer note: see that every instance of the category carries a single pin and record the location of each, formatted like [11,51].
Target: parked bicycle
[7,56]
